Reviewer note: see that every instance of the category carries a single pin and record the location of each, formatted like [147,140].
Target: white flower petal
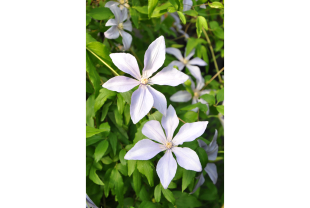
[179,64]
[181,96]
[203,7]
[127,25]
[154,56]
[189,55]
[176,52]
[212,172]
[200,84]
[117,12]
[169,76]
[145,149]
[205,92]
[127,63]
[111,33]
[187,158]
[170,122]
[124,13]
[153,130]
[166,169]
[120,84]
[187,4]
[201,180]
[141,103]
[197,61]
[111,22]
[127,39]
[194,101]
[189,132]
[111,3]
[195,71]
[160,102]
[212,148]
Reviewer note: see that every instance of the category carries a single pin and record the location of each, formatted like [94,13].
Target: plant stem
[114,72]
[208,82]
[132,51]
[181,120]
[211,49]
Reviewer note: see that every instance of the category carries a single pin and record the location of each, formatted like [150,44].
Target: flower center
[120,26]
[185,61]
[196,94]
[144,80]
[169,145]
[122,1]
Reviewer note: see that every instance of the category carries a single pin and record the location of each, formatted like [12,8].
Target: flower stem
[114,72]
[208,82]
[211,49]
[181,120]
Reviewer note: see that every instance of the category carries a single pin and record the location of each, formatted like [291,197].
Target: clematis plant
[185,62]
[123,4]
[118,26]
[90,203]
[145,97]
[187,4]
[211,150]
[184,96]
[167,166]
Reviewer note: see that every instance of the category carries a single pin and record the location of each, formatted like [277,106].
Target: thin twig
[181,120]
[211,49]
[208,82]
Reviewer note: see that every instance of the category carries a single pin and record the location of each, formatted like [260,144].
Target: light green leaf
[172,185]
[101,149]
[106,160]
[143,10]
[220,95]
[117,181]
[90,112]
[147,204]
[134,16]
[121,129]
[120,103]
[144,195]
[177,46]
[118,117]
[189,117]
[122,153]
[182,17]
[122,168]
[208,98]
[193,43]
[202,107]
[136,181]
[220,109]
[106,180]
[104,94]
[146,168]
[156,116]
[201,23]
[90,131]
[113,141]
[127,96]
[216,5]
[157,193]
[191,13]
[131,166]
[188,176]
[127,114]
[174,3]
[92,74]
[88,19]
[101,13]
[94,177]
[102,51]
[105,109]
[168,195]
[171,9]
[151,6]
[185,200]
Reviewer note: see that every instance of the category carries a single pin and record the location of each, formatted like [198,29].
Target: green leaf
[146,168]
[219,32]
[177,46]
[89,164]
[89,39]
[118,117]
[117,181]
[172,185]
[131,166]
[185,200]
[92,74]
[216,5]
[113,142]
[157,193]
[144,195]
[90,131]
[201,23]
[156,116]
[171,9]
[127,114]
[90,112]
[174,3]
[134,16]
[220,109]
[106,160]
[189,117]
[106,180]
[220,95]
[104,94]
[182,17]
[88,19]
[122,153]
[100,150]
[180,3]
[203,157]
[94,177]
[136,181]
[121,129]
[168,195]
[105,109]
[122,168]
[191,13]
[102,51]
[143,10]
[101,13]
[210,193]
[188,176]
[147,204]
[127,96]
[193,43]
[208,98]
[151,6]
[202,107]
[120,103]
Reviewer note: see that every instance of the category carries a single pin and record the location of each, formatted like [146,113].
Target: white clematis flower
[145,97]
[123,4]
[195,71]
[184,96]
[187,4]
[118,26]
[167,166]
[210,168]
[176,24]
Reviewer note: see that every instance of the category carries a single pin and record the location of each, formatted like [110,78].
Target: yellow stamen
[144,80]
[120,26]
[196,94]
[168,145]
[121,1]
[185,61]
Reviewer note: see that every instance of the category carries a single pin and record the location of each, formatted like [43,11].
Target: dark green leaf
[146,168]
[121,129]
[172,185]
[118,117]
[88,19]
[127,114]
[147,204]
[122,153]
[105,109]
[188,176]
[193,43]
[185,200]
[120,103]
[168,195]
[100,150]
[117,181]
[92,74]
[94,177]
[127,96]
[144,195]
[220,95]
[157,193]
[134,16]
[104,94]
[113,142]
[136,180]
[203,157]
[101,13]
[208,98]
